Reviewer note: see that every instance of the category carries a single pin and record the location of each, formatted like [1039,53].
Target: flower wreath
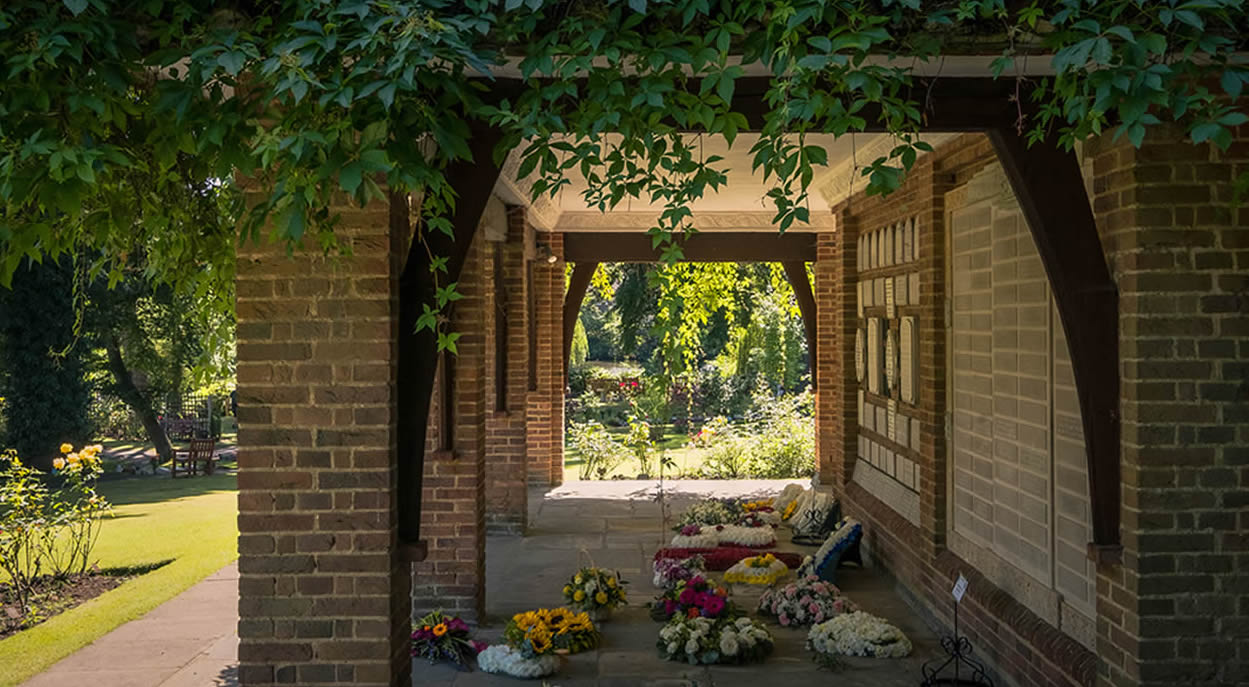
[504,660]
[752,537]
[764,569]
[857,634]
[807,601]
[723,557]
[696,537]
[824,563]
[703,641]
[670,571]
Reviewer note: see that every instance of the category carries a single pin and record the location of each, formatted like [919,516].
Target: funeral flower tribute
[440,637]
[763,569]
[706,641]
[594,589]
[857,634]
[809,600]
[696,597]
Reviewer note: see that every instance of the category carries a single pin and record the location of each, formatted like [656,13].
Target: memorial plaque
[892,421]
[891,307]
[908,244]
[860,354]
[882,419]
[899,232]
[860,405]
[878,291]
[875,249]
[908,359]
[915,429]
[903,430]
[891,361]
[859,254]
[899,290]
[868,418]
[887,248]
[914,230]
[873,355]
[912,285]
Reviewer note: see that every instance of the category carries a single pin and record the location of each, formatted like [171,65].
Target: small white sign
[960,588]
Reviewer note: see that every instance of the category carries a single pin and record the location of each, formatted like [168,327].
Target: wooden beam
[582,273]
[1051,192]
[473,180]
[720,246]
[801,283]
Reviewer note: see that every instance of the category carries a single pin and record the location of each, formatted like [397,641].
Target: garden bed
[52,596]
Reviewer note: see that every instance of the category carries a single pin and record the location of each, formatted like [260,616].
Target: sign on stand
[960,588]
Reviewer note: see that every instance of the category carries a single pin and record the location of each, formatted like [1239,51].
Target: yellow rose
[601,597]
[611,582]
[577,579]
[66,448]
[567,590]
[59,463]
[578,596]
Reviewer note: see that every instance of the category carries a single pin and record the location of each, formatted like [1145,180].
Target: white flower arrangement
[502,659]
[809,600]
[705,641]
[709,512]
[765,569]
[696,537]
[753,537]
[824,562]
[857,634]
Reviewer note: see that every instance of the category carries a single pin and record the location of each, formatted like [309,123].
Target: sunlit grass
[190,522]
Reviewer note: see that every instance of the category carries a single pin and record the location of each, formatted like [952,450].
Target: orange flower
[440,629]
[692,613]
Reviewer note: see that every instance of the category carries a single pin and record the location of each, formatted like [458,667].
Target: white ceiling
[741,204]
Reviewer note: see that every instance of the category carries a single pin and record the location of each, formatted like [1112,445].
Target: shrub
[640,442]
[44,532]
[600,453]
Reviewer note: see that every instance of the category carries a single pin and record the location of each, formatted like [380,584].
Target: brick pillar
[506,493]
[836,406]
[545,422]
[1177,609]
[452,577]
[323,597]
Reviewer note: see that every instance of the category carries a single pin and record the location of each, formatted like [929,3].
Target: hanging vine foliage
[308,99]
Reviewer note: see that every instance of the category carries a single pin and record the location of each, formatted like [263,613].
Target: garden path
[618,525]
[189,641]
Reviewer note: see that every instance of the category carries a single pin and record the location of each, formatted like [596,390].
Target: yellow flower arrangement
[764,569]
[752,506]
[544,630]
[789,510]
[593,589]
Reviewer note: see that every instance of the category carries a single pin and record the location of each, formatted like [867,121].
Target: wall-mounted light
[546,254]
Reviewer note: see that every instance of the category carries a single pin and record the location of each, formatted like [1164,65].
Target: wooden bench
[200,451]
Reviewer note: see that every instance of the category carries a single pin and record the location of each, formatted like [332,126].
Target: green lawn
[190,522]
[675,444]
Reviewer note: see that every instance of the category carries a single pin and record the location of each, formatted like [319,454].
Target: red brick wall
[453,522]
[1177,610]
[322,596]
[1013,639]
[835,443]
[545,421]
[506,435]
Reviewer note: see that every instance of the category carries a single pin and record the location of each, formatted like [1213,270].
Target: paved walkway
[189,641]
[618,524]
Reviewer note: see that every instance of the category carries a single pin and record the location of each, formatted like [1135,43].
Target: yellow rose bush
[48,532]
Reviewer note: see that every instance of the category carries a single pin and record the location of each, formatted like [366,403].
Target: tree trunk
[136,399]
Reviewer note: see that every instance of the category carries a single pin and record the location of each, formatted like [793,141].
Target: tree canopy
[116,117]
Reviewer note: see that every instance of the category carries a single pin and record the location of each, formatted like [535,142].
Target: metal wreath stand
[958,659]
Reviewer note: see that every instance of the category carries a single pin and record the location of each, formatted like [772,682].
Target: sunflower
[440,629]
[540,639]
